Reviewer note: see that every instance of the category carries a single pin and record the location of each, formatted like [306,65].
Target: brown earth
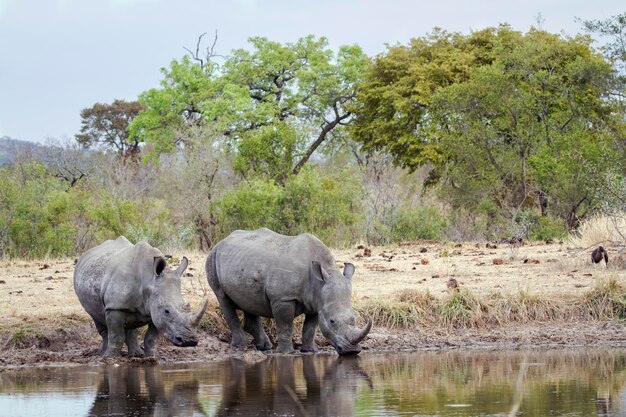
[43,324]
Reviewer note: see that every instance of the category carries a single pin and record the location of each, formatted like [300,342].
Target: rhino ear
[317,272]
[348,270]
[159,265]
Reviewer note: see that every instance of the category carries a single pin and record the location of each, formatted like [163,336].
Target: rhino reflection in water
[123,287]
[266,274]
[136,391]
[271,387]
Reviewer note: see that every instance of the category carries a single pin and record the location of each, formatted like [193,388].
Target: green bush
[417,223]
[327,206]
[37,213]
[548,228]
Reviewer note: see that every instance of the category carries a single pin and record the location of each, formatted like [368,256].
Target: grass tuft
[463,309]
[524,307]
[389,313]
[606,301]
[599,229]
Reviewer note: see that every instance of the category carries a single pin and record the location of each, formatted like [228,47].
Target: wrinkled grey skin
[266,274]
[123,287]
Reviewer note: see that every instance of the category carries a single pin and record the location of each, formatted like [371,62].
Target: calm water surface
[553,383]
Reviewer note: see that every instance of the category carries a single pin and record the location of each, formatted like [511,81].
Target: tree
[106,126]
[505,119]
[274,106]
[392,110]
[615,28]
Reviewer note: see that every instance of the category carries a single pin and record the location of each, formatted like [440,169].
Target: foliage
[416,223]
[521,120]
[36,215]
[273,105]
[325,205]
[613,27]
[40,216]
[106,126]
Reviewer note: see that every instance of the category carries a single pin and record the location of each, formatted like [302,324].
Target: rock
[498,261]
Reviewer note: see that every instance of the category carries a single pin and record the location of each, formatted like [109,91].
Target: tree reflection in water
[452,383]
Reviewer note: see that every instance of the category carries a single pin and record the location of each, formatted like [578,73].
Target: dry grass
[464,309]
[606,301]
[523,307]
[535,282]
[600,230]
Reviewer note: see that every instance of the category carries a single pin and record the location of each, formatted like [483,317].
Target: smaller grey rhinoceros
[124,286]
[266,274]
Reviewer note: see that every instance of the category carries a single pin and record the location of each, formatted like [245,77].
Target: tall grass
[599,229]
[464,309]
[606,301]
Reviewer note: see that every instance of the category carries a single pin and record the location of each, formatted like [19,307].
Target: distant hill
[11,148]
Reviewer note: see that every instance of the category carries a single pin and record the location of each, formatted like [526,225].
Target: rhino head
[170,314]
[336,320]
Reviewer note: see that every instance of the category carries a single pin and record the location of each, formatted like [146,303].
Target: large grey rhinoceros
[123,287]
[267,274]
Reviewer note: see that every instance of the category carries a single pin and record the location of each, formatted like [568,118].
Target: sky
[58,57]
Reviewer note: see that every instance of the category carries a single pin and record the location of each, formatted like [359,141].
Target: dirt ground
[43,324]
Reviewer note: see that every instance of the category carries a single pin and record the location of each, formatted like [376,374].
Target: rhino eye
[332,321]
[167,312]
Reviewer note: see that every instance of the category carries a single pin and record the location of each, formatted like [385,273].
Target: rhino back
[256,268]
[127,275]
[90,272]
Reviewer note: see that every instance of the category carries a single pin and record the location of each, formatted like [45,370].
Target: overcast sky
[60,56]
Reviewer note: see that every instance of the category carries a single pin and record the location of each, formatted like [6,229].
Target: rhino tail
[210,268]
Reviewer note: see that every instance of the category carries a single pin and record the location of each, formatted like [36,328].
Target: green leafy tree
[615,29]
[517,119]
[273,105]
[106,126]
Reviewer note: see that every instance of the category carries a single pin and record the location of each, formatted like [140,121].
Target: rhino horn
[196,320]
[359,335]
[183,265]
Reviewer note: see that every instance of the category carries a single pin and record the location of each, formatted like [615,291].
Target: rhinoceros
[266,274]
[123,287]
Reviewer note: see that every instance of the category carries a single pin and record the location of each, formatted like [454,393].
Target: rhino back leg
[229,308]
[252,324]
[308,333]
[104,334]
[133,345]
[230,314]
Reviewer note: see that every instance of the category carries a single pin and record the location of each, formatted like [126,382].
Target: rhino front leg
[283,313]
[116,334]
[150,340]
[133,345]
[252,324]
[308,333]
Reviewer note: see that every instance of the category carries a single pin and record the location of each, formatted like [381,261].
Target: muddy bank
[512,297]
[77,346]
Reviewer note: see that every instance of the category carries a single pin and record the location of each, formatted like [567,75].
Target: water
[553,383]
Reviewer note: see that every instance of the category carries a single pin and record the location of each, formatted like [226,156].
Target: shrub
[327,206]
[417,223]
[548,228]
